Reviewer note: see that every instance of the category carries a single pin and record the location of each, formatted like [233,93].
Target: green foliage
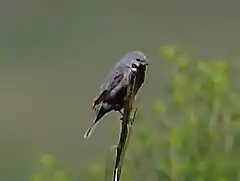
[96,172]
[196,134]
[202,145]
[49,171]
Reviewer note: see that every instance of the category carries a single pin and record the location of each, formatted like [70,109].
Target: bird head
[136,59]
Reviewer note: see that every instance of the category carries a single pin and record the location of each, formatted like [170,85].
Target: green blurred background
[55,54]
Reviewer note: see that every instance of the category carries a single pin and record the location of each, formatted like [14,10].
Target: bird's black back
[116,102]
[120,96]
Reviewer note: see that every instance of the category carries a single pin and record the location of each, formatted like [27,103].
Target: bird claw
[130,120]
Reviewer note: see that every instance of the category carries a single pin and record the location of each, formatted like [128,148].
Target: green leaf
[47,161]
[183,60]
[60,176]
[37,177]
[169,53]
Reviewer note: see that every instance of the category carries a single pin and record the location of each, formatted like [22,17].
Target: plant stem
[126,129]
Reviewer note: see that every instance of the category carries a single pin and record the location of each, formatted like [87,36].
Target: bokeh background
[55,54]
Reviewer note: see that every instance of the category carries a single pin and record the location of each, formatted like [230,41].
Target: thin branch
[126,129]
[130,126]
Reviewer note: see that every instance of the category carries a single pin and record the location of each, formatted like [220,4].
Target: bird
[114,89]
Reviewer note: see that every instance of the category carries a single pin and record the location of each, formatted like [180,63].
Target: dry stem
[126,129]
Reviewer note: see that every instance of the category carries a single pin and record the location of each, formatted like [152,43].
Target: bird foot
[130,120]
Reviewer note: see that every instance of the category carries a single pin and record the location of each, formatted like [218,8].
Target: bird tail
[100,114]
[90,130]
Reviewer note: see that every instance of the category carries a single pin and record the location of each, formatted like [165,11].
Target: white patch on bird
[134,69]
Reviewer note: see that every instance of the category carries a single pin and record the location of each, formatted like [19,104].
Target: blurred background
[54,56]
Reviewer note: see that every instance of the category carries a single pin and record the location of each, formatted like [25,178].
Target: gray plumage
[113,90]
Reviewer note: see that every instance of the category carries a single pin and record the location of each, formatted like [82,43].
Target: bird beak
[146,62]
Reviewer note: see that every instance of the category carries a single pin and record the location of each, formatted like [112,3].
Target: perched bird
[114,89]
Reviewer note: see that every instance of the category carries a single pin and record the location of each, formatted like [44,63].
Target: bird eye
[134,66]
[138,60]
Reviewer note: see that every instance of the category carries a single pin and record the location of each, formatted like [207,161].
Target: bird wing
[106,91]
[112,82]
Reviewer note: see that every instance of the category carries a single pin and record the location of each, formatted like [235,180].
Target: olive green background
[55,54]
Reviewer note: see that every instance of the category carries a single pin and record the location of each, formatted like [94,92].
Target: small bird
[114,89]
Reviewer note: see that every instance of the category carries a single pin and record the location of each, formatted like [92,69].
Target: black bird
[113,91]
